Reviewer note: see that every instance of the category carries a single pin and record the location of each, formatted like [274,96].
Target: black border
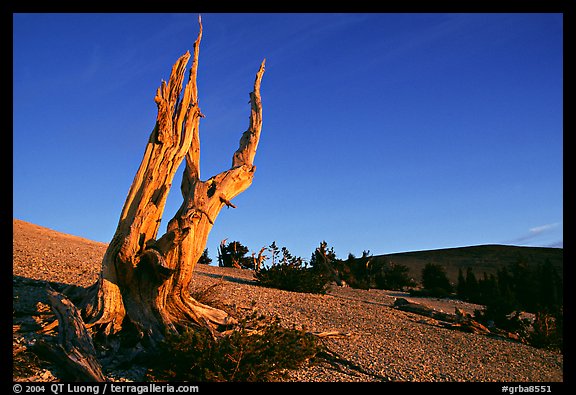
[566,7]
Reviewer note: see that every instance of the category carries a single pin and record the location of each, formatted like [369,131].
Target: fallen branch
[417,308]
[322,335]
[75,351]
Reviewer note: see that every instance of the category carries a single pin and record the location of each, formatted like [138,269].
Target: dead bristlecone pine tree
[144,284]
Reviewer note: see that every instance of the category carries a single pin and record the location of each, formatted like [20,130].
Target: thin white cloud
[540,229]
[535,232]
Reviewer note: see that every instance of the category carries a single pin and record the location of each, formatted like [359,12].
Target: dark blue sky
[382,132]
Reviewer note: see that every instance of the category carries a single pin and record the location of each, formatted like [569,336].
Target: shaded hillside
[483,258]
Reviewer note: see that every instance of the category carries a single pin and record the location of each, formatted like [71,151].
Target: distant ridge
[482,258]
[486,258]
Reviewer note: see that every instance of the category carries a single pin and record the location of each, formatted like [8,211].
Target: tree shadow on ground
[27,293]
[232,279]
[31,312]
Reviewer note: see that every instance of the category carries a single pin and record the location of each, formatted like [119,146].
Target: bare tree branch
[249,141]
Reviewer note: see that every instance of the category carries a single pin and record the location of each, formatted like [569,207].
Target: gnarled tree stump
[144,279]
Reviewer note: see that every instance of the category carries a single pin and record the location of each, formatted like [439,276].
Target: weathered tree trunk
[257,261]
[146,280]
[322,258]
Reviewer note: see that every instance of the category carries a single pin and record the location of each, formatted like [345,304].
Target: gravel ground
[388,344]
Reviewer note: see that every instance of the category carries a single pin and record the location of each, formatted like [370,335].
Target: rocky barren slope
[388,344]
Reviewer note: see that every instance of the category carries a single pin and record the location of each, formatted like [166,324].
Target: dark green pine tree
[472,293]
[435,281]
[525,285]
[397,277]
[205,259]
[273,248]
[233,255]
[461,285]
[487,288]
[549,287]
[506,296]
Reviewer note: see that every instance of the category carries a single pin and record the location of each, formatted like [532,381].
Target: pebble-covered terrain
[379,342]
